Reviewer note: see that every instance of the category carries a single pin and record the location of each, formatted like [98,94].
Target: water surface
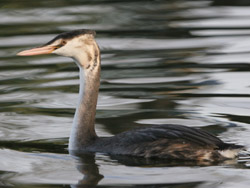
[180,62]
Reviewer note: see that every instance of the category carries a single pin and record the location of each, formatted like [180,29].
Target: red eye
[63,42]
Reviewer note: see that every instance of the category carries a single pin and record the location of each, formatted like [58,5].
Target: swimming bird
[168,141]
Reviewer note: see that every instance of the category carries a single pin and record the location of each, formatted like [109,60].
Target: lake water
[180,62]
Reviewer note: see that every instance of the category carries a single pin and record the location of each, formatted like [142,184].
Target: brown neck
[83,131]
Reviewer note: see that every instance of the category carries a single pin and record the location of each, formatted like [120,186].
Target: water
[182,62]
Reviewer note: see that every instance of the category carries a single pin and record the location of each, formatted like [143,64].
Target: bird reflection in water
[86,164]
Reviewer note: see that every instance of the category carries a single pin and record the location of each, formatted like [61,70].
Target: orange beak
[37,51]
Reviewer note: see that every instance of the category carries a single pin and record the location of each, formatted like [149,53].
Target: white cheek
[70,49]
[63,51]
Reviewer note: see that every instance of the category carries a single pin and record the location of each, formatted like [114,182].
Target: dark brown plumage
[175,142]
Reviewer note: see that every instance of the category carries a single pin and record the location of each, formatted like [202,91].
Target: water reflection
[86,164]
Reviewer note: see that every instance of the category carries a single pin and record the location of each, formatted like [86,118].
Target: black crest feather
[72,34]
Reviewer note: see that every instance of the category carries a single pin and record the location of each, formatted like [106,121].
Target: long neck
[83,130]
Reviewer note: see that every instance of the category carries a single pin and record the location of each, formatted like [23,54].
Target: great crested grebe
[168,141]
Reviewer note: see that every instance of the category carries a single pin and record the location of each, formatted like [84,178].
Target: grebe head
[78,44]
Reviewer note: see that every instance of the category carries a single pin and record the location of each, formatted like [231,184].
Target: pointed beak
[37,51]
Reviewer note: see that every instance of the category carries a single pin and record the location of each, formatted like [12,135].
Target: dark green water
[182,62]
